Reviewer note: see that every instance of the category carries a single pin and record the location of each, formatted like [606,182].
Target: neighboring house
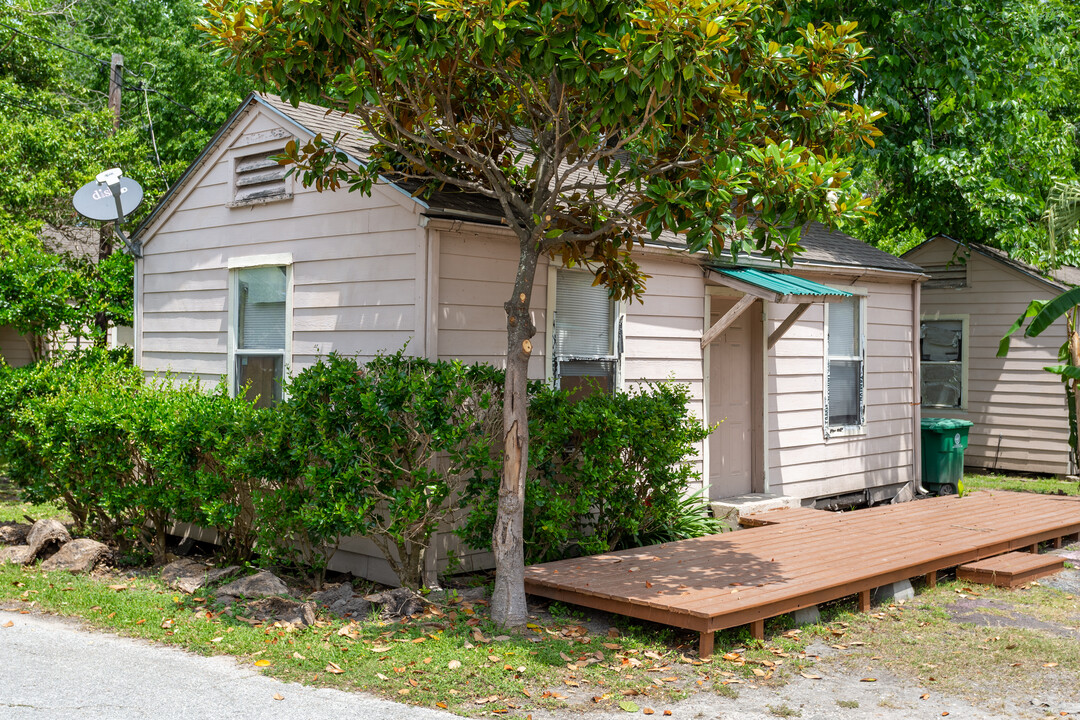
[14,348]
[248,275]
[974,294]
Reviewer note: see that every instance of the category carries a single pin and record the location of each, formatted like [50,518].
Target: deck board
[802,557]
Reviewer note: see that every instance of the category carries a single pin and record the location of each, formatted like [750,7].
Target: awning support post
[788,322]
[725,322]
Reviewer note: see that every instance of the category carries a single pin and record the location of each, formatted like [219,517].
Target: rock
[189,575]
[807,616]
[44,534]
[262,584]
[463,595]
[15,555]
[397,603]
[13,533]
[283,610]
[894,592]
[342,601]
[77,556]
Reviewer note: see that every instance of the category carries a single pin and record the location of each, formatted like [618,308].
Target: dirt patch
[984,612]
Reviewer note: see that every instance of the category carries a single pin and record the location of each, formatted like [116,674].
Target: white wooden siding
[13,348]
[1018,409]
[802,463]
[354,269]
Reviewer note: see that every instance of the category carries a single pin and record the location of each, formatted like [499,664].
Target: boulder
[77,556]
[16,555]
[44,536]
[342,601]
[13,533]
[397,603]
[189,575]
[262,584]
[282,610]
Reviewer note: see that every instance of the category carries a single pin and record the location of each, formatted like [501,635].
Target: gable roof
[1060,279]
[822,246]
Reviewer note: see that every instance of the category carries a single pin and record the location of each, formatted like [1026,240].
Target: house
[973,296]
[810,373]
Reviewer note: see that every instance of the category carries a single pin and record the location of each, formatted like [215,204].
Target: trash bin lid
[945,424]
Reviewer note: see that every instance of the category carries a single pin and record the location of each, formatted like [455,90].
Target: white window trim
[965,324]
[236,154]
[252,261]
[833,431]
[618,329]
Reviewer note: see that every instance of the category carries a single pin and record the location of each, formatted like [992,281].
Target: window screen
[941,349]
[846,363]
[260,332]
[584,333]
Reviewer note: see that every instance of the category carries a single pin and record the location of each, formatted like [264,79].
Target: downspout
[916,385]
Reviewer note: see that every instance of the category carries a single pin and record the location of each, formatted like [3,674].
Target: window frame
[830,430]
[235,265]
[965,340]
[551,360]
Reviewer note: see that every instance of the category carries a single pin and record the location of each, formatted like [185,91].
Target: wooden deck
[801,558]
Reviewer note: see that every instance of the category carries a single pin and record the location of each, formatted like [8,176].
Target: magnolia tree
[592,125]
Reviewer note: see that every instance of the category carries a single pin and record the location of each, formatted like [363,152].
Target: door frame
[759,478]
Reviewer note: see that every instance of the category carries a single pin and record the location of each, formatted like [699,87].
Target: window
[257,179]
[941,350]
[584,343]
[259,331]
[846,365]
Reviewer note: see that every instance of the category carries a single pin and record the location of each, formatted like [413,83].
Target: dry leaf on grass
[334,668]
[442,705]
[453,664]
[218,639]
[262,663]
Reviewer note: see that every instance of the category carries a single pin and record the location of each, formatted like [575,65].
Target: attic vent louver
[258,178]
[953,275]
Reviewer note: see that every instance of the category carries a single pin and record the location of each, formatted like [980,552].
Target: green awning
[775,286]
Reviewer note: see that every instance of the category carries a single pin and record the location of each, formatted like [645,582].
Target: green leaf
[1053,311]
[1030,311]
[629,706]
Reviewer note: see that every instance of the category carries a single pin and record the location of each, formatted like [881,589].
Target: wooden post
[1057,543]
[705,644]
[1034,549]
[931,579]
[116,83]
[757,629]
[864,601]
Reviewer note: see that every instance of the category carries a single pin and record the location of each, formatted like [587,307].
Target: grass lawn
[14,509]
[1044,485]
[571,659]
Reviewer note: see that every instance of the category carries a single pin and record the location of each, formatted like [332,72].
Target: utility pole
[105,239]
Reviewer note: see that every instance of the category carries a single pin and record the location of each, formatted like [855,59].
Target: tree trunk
[508,606]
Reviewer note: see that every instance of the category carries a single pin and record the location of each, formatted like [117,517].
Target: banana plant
[1042,314]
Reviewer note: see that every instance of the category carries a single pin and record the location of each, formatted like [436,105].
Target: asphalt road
[50,668]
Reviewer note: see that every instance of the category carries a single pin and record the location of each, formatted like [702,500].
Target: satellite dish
[95,200]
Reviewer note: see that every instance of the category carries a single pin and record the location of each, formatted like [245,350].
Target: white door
[731,404]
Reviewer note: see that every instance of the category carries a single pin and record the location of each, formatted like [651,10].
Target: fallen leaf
[924,696]
[629,706]
[810,676]
[646,711]
[613,632]
[167,624]
[404,691]
[277,696]
[381,676]
[262,663]
[219,638]
[1050,664]
[612,646]
[442,705]
[118,588]
[413,682]
[566,657]
[334,668]
[653,655]
[139,622]
[380,648]
[502,638]
[9,624]
[298,656]
[667,713]
[453,664]
[868,680]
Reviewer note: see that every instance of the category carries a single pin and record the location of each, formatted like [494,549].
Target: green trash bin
[943,444]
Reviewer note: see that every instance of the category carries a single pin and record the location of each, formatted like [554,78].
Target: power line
[105,63]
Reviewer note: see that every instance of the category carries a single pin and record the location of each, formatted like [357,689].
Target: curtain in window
[845,363]
[261,301]
[584,316]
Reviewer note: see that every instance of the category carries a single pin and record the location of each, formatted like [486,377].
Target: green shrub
[606,471]
[378,450]
[192,449]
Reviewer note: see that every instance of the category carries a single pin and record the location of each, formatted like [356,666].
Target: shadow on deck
[800,557]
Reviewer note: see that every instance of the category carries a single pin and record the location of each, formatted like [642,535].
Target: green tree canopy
[983,115]
[588,125]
